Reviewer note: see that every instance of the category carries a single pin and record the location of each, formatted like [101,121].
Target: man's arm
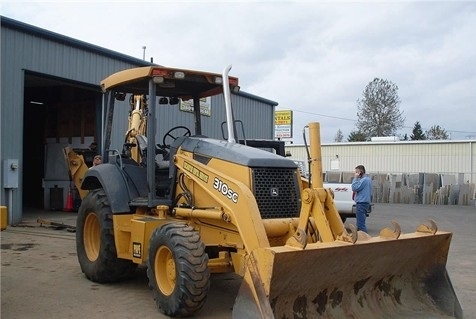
[357,184]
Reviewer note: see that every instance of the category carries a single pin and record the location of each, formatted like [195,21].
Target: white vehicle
[343,200]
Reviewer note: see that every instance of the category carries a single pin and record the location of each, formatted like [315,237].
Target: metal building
[455,157]
[50,98]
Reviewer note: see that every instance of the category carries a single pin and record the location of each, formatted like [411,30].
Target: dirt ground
[41,277]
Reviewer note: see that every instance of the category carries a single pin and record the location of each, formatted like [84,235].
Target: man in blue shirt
[362,187]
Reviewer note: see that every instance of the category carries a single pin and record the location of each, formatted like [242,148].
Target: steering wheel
[173,134]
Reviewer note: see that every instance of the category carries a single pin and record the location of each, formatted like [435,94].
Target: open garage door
[57,113]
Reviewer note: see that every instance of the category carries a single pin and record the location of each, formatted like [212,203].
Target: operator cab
[147,87]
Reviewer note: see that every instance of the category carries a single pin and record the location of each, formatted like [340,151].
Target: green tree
[356,136]
[417,133]
[378,111]
[339,137]
[437,133]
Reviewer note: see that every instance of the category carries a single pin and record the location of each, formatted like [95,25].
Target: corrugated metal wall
[443,157]
[27,49]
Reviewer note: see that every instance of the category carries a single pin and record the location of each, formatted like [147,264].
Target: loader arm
[318,203]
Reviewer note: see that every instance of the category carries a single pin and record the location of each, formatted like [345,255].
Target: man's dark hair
[361,168]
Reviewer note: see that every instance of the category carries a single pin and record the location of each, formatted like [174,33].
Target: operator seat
[161,162]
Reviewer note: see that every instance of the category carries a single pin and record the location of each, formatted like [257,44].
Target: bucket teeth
[389,233]
[429,229]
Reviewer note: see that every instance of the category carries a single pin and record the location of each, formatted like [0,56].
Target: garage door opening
[57,113]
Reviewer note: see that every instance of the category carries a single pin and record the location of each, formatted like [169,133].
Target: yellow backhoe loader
[213,206]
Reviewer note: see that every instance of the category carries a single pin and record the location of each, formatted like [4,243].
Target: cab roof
[169,82]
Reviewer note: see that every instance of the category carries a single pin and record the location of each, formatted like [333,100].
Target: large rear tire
[177,269]
[95,241]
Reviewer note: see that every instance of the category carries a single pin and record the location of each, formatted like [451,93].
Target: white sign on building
[205,106]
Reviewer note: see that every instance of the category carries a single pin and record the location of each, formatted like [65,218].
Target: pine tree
[339,137]
[417,133]
[357,136]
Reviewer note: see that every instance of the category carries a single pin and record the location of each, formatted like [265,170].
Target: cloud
[312,57]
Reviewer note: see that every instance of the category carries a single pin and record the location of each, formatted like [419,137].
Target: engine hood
[235,153]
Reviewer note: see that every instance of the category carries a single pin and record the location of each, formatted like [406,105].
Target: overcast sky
[314,58]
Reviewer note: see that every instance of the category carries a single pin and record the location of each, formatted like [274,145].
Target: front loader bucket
[376,278]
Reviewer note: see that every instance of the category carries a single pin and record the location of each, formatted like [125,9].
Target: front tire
[177,269]
[95,245]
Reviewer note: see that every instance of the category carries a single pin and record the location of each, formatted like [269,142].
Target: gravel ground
[41,278]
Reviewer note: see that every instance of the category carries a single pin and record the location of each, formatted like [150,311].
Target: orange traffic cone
[69,201]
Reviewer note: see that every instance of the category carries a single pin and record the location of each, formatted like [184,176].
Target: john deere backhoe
[213,206]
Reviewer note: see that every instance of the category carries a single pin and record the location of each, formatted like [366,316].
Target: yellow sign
[283,117]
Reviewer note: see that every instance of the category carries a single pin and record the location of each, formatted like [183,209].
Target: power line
[323,115]
[351,120]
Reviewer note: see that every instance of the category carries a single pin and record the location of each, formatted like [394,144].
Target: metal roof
[257,98]
[33,30]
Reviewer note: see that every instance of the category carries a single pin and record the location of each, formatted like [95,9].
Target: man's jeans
[361,212]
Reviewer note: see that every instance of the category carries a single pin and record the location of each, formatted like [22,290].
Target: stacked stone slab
[333,177]
[415,188]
